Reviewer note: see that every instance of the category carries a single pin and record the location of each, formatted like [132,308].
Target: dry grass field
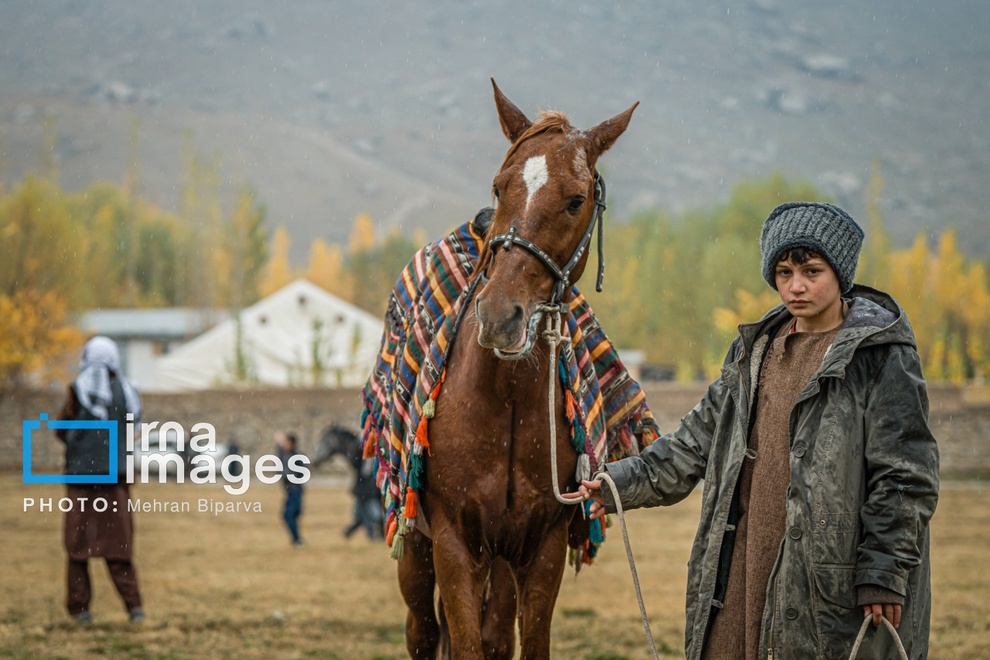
[231,585]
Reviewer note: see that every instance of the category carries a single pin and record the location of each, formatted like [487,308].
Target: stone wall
[960,419]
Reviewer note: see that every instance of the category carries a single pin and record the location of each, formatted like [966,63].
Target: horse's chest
[493,457]
[491,462]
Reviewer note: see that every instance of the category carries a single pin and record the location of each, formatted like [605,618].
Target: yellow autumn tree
[362,238]
[326,268]
[749,308]
[947,300]
[278,272]
[40,245]
[947,282]
[976,317]
[34,337]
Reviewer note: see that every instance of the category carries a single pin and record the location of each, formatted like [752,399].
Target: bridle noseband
[562,275]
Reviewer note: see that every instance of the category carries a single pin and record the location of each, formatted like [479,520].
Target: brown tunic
[91,533]
[88,532]
[787,368]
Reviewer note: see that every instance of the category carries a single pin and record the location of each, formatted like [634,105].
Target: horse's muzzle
[509,333]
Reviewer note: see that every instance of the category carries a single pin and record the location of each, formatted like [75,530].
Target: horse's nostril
[511,327]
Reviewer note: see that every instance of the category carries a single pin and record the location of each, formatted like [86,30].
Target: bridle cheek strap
[562,275]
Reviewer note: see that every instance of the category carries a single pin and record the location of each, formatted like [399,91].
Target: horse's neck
[503,380]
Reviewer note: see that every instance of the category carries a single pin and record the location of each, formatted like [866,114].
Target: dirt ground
[231,585]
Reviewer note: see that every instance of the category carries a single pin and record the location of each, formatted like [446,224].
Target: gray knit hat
[822,228]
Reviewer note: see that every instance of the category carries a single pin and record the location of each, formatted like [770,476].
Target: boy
[821,473]
[285,444]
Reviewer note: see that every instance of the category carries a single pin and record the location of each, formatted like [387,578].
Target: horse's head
[547,196]
[335,440]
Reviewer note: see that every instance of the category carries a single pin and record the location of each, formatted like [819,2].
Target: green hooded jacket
[864,485]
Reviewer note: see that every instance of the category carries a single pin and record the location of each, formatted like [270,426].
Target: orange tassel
[423,435]
[412,503]
[569,405]
[369,447]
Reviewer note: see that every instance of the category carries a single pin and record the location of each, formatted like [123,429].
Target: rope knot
[552,334]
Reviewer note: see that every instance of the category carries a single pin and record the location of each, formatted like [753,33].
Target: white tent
[300,335]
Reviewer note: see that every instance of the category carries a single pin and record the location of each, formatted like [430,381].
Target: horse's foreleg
[498,619]
[460,578]
[538,585]
[416,582]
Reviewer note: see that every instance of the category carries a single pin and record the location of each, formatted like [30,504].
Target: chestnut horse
[498,537]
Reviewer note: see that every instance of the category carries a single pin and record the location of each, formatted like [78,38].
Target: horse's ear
[514,122]
[606,133]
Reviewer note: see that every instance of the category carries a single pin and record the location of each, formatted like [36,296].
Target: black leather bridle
[562,275]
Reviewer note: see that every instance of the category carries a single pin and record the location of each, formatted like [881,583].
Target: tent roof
[299,335]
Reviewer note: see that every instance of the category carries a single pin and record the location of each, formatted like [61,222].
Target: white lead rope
[554,338]
[862,633]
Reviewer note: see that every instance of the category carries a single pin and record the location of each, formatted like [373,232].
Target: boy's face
[810,291]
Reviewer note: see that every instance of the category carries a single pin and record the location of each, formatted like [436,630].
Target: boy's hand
[891,611]
[590,490]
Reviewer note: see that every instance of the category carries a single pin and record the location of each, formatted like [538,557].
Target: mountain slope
[332,108]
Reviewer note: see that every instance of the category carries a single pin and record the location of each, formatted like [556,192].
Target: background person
[368,513]
[821,474]
[100,392]
[292,508]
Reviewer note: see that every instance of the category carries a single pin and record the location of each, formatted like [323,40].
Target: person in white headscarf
[100,392]
[100,359]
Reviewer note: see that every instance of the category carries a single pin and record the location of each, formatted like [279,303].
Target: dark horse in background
[498,538]
[337,440]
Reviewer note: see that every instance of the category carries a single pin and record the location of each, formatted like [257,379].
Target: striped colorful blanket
[605,407]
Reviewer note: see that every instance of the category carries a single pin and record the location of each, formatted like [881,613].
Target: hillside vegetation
[676,285]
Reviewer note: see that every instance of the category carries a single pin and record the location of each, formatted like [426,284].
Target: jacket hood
[874,318]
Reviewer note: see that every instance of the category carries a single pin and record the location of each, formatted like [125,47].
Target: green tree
[200,210]
[241,256]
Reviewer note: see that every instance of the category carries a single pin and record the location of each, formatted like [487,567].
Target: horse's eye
[495,192]
[575,204]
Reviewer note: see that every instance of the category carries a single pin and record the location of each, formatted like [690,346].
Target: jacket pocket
[837,616]
[836,585]
[835,538]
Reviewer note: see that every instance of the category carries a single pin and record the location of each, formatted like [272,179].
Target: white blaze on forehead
[535,176]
